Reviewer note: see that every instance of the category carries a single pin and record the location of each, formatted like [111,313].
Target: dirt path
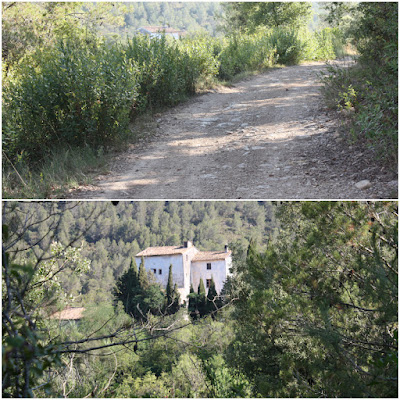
[268,137]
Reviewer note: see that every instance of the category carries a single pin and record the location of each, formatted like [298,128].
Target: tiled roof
[163,251]
[211,255]
[69,313]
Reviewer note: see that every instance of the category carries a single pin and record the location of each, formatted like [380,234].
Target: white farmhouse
[189,265]
[158,31]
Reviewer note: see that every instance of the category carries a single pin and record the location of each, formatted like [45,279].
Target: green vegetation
[120,232]
[189,16]
[252,15]
[316,313]
[75,89]
[369,89]
[309,312]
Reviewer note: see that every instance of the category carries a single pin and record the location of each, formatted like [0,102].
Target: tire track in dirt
[268,137]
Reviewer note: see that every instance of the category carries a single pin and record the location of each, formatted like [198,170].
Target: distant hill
[190,17]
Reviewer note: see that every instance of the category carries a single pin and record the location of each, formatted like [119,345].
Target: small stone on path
[362,185]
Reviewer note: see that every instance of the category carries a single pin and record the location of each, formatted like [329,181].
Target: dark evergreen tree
[170,287]
[201,299]
[143,277]
[127,287]
[317,311]
[172,297]
[176,299]
[192,307]
[138,294]
[212,297]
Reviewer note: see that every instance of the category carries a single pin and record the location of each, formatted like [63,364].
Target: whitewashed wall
[180,269]
[219,272]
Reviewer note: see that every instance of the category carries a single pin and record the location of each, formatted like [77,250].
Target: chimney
[226,248]
[187,244]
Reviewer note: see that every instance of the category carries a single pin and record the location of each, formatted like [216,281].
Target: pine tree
[320,300]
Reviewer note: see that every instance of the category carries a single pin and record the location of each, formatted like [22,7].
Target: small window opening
[208,283]
[208,265]
[160,272]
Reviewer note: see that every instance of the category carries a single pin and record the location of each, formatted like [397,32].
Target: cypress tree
[211,297]
[170,287]
[202,300]
[192,302]
[143,278]
[176,299]
[127,286]
[172,300]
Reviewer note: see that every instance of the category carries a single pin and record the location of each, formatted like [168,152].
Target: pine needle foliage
[317,311]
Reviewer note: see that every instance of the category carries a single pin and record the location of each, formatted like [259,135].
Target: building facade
[159,31]
[189,265]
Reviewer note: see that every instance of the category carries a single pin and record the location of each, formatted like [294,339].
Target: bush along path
[269,136]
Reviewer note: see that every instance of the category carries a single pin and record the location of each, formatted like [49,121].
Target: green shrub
[199,60]
[321,45]
[169,69]
[374,98]
[73,94]
[243,52]
[288,45]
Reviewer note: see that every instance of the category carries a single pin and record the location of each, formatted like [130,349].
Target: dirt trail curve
[268,137]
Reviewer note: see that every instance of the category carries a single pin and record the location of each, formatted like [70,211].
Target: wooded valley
[310,309]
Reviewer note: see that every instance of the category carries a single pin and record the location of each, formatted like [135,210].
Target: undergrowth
[371,99]
[368,91]
[63,169]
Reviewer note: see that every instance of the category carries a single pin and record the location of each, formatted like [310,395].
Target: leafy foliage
[374,79]
[250,15]
[70,94]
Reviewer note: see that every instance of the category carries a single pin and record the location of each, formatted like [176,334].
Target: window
[208,265]
[160,272]
[208,283]
[154,270]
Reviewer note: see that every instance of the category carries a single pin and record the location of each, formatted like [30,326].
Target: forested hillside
[120,232]
[309,312]
[190,17]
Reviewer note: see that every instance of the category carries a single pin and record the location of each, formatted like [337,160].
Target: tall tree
[143,277]
[176,299]
[250,15]
[127,287]
[192,306]
[212,297]
[172,297]
[170,287]
[201,299]
[317,311]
